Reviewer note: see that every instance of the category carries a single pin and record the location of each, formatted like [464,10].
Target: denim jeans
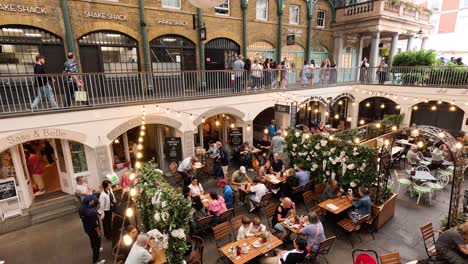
[47,92]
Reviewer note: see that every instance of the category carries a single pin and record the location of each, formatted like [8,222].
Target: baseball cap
[221,182]
[242,169]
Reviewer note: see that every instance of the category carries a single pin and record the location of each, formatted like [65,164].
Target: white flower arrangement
[327,173]
[178,233]
[332,150]
[157,217]
[352,184]
[351,166]
[162,240]
[324,164]
[297,134]
[323,143]
[294,145]
[317,147]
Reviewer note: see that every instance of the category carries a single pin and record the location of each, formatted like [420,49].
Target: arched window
[220,53]
[20,44]
[261,50]
[172,53]
[108,51]
[318,54]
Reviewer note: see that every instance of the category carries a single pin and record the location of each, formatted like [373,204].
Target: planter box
[387,211]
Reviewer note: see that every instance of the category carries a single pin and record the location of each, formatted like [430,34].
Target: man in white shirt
[82,188]
[258,189]
[139,254]
[257,72]
[184,167]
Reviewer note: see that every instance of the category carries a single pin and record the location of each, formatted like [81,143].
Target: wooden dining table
[291,227]
[273,180]
[253,251]
[336,205]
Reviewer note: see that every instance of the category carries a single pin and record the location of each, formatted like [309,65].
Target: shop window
[262,10]
[223,9]
[7,169]
[321,19]
[171,4]
[119,59]
[294,13]
[78,156]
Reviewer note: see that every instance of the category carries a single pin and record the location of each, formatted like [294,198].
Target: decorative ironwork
[343,95]
[385,158]
[222,43]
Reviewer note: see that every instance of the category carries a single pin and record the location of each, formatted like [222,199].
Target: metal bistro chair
[421,190]
[322,251]
[423,168]
[390,258]
[428,236]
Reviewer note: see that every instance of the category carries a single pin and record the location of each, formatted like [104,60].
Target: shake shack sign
[23,9]
[105,16]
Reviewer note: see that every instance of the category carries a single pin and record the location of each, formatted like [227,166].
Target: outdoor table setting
[422,175]
[273,179]
[396,149]
[255,150]
[405,142]
[247,249]
[337,205]
[426,161]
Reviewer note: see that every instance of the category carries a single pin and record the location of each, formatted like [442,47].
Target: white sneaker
[102,261]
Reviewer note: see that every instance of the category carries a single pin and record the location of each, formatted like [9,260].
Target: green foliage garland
[161,207]
[354,165]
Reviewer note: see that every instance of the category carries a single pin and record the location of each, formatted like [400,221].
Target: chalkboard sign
[388,126]
[362,133]
[7,189]
[173,148]
[293,115]
[235,134]
[282,108]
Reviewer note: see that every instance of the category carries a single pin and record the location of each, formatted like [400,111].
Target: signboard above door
[290,40]
[282,108]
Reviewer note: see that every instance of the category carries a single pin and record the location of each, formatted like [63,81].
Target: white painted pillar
[424,43]
[410,43]
[361,47]
[374,55]
[247,131]
[393,47]
[338,50]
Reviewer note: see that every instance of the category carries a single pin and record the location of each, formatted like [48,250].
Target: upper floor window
[171,4]
[321,19]
[262,10]
[223,9]
[294,12]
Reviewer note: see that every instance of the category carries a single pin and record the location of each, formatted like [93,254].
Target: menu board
[173,148]
[7,189]
[235,134]
[388,126]
[362,133]
[282,108]
[293,115]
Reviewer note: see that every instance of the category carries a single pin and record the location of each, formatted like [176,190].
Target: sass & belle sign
[40,133]
[105,16]
[23,9]
[172,22]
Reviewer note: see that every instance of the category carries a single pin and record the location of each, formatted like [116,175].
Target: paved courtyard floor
[63,240]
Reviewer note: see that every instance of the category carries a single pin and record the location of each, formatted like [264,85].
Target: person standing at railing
[42,82]
[324,71]
[363,70]
[257,70]
[333,73]
[71,67]
[267,73]
[304,74]
[238,68]
[382,71]
[283,75]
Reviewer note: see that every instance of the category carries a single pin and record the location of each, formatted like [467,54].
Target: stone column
[374,55]
[244,5]
[361,47]
[280,31]
[393,48]
[424,43]
[247,129]
[338,50]
[410,44]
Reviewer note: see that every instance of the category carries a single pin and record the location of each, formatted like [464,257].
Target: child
[257,228]
[244,230]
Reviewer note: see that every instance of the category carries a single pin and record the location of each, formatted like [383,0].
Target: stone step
[53,214]
[51,205]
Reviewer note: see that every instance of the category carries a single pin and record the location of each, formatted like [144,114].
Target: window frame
[291,22]
[323,19]
[222,8]
[267,11]
[172,7]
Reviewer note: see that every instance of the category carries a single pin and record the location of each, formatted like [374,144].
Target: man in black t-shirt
[42,83]
[277,164]
[265,146]
[451,247]
[295,256]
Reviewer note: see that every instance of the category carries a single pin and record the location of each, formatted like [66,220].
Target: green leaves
[415,58]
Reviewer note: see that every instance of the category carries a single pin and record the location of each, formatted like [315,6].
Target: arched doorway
[339,112]
[172,53]
[261,50]
[318,54]
[438,114]
[350,62]
[20,44]
[312,111]
[261,122]
[374,108]
[108,51]
[295,56]
[220,53]
[125,147]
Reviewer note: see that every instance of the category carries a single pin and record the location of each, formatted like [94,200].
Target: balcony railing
[21,94]
[376,8]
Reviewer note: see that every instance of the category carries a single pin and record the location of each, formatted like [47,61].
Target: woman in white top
[104,211]
[195,188]
[304,74]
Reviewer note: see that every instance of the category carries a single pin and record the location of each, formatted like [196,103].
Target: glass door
[66,182]
[26,182]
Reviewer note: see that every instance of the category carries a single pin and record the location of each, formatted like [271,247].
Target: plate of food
[257,244]
[198,165]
